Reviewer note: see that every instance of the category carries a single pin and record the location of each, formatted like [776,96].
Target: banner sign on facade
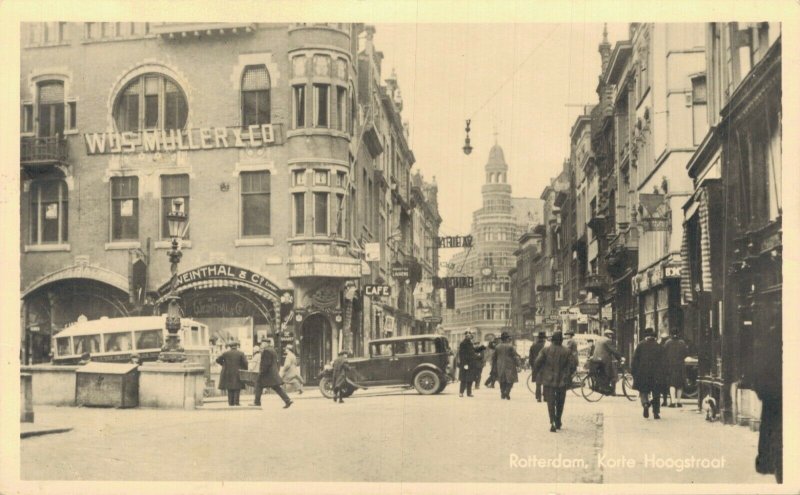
[156,141]
[452,241]
[452,282]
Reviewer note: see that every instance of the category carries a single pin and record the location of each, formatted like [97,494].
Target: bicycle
[593,388]
[575,386]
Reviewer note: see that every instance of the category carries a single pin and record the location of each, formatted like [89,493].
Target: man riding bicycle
[601,360]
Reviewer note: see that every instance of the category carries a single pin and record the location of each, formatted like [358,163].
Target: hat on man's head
[569,331]
[344,352]
[290,347]
[557,337]
[233,343]
[649,332]
[505,336]
[541,335]
[608,331]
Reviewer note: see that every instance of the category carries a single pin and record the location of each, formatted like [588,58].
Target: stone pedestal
[171,385]
[52,385]
[25,398]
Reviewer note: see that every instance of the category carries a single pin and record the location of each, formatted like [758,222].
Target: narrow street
[388,435]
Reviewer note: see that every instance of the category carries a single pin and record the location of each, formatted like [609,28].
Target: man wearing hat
[467,357]
[603,357]
[506,358]
[232,361]
[647,368]
[268,376]
[339,378]
[536,348]
[290,372]
[555,366]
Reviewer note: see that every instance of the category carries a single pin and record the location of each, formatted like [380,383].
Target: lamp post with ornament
[172,352]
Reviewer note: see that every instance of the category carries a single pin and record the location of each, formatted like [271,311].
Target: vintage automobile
[420,361]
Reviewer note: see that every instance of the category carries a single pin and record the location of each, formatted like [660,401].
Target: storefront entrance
[315,346]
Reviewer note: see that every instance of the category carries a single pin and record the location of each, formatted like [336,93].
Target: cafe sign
[158,141]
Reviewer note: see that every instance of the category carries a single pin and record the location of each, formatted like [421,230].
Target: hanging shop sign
[377,290]
[220,272]
[372,251]
[672,272]
[452,241]
[452,282]
[400,271]
[654,224]
[156,141]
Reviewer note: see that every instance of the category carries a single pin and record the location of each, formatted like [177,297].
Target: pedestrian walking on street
[536,348]
[255,362]
[675,352]
[647,368]
[506,359]
[232,361]
[570,343]
[290,372]
[555,366]
[665,397]
[466,362]
[340,369]
[480,350]
[268,376]
[490,348]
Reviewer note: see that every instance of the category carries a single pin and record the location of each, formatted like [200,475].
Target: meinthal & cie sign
[204,138]
[220,272]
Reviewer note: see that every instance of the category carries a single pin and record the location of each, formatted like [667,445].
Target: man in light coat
[603,355]
[506,358]
[290,372]
[232,361]
[268,376]
[554,366]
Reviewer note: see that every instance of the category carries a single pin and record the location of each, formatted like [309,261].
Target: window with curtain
[49,212]
[255,203]
[124,208]
[255,95]
[173,187]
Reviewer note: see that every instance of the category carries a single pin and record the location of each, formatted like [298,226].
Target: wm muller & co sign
[204,138]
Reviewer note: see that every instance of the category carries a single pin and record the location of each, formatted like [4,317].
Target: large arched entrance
[51,307]
[316,340]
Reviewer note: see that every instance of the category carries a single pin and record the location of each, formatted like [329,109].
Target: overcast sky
[517,77]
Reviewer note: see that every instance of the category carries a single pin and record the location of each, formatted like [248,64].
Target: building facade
[732,269]
[272,135]
[496,227]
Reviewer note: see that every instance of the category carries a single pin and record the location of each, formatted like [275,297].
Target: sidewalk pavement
[662,451]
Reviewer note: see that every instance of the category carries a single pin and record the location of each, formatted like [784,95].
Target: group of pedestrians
[271,374]
[472,357]
[657,368]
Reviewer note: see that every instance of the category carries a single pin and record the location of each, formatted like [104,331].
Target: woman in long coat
[290,372]
[232,361]
[649,374]
[506,358]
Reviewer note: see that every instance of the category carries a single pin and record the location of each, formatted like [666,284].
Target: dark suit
[268,376]
[505,358]
[232,361]
[536,348]
[467,357]
[648,370]
[339,378]
[554,367]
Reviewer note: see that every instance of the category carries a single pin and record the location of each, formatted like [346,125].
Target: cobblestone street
[386,435]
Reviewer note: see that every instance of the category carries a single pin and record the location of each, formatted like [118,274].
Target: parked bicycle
[594,387]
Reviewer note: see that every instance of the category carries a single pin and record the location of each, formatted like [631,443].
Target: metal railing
[43,150]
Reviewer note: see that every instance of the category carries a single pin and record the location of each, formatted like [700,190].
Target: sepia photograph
[398,253]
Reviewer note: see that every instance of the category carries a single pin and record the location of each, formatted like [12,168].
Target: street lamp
[172,352]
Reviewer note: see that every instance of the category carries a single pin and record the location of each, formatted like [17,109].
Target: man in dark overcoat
[675,352]
[340,369]
[466,364]
[480,352]
[647,368]
[536,348]
[506,358]
[555,366]
[232,361]
[490,347]
[268,376]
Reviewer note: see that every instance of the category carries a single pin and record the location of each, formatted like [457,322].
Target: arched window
[255,95]
[150,101]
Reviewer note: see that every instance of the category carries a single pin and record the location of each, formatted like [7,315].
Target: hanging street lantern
[467,147]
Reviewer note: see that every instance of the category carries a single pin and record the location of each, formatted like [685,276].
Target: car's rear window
[427,346]
[405,348]
[382,349]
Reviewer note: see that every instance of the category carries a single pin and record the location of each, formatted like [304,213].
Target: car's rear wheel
[427,382]
[443,385]
[326,387]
